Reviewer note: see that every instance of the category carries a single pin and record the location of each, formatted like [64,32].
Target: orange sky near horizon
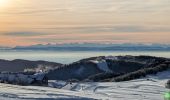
[28,22]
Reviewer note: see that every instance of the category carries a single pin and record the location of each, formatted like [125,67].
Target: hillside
[149,88]
[19,65]
[106,68]
[96,78]
[103,68]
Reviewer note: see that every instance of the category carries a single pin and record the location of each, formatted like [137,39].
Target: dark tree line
[142,73]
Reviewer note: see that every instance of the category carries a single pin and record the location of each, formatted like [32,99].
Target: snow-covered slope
[99,68]
[102,65]
[149,88]
[13,92]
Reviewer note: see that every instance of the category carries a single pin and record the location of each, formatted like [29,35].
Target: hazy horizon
[86,44]
[30,22]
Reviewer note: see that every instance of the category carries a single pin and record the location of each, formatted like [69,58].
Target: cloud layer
[36,21]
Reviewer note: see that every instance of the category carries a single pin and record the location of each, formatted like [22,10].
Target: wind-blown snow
[149,88]
[102,65]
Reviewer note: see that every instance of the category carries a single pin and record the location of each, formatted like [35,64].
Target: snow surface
[22,78]
[39,76]
[111,57]
[56,84]
[149,88]
[102,65]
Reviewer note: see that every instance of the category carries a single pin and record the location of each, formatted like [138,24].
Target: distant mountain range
[95,47]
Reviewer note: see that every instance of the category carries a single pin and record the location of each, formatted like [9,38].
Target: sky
[30,22]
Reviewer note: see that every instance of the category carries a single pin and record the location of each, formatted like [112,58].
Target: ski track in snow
[149,88]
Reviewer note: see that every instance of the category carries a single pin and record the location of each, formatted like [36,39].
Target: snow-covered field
[150,88]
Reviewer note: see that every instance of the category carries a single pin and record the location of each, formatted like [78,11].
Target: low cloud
[119,29]
[33,11]
[105,28]
[23,34]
